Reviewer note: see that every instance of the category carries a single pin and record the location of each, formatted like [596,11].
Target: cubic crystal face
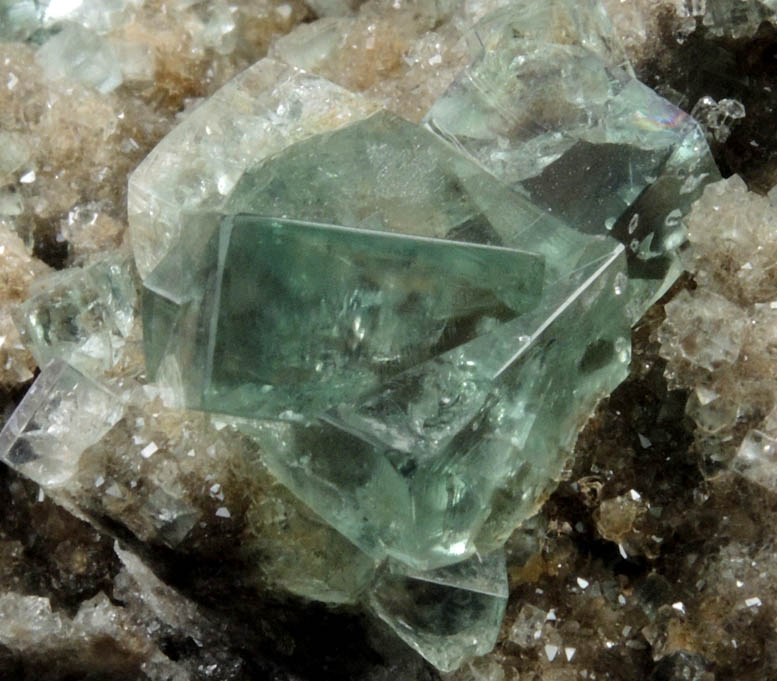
[406,326]
[258,113]
[444,614]
[83,316]
[604,152]
[63,414]
[305,316]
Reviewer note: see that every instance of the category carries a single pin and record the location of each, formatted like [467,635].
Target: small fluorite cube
[63,414]
[82,315]
[447,615]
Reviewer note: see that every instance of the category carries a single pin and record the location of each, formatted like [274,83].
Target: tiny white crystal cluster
[720,339]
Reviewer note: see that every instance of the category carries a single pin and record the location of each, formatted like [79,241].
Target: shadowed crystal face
[444,614]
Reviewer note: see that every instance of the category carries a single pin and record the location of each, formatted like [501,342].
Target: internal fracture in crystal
[394,400]
[309,316]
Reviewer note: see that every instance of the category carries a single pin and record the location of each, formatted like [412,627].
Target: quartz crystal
[604,151]
[718,339]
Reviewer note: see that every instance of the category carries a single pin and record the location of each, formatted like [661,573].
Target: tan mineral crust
[653,560]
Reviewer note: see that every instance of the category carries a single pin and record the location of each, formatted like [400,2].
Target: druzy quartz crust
[404,324]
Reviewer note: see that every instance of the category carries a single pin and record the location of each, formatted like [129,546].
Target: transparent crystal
[446,615]
[62,414]
[83,315]
[604,152]
[288,316]
[392,457]
[255,115]
[78,53]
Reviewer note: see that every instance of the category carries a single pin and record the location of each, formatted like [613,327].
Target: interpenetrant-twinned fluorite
[410,323]
[402,385]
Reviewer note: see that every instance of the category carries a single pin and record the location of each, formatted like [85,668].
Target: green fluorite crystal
[445,614]
[83,315]
[603,151]
[295,318]
[258,113]
[411,322]
[406,383]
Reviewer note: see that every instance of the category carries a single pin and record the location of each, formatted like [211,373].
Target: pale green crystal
[288,317]
[83,315]
[19,19]
[412,323]
[23,19]
[556,114]
[388,447]
[258,113]
[78,53]
[402,472]
[446,615]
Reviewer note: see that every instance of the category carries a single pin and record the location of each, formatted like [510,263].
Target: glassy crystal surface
[295,317]
[19,19]
[450,455]
[447,615]
[735,18]
[384,173]
[81,315]
[100,16]
[603,151]
[756,459]
[390,410]
[258,113]
[62,414]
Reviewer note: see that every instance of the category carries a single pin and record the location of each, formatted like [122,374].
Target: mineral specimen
[406,326]
[461,607]
[63,413]
[719,338]
[261,111]
[285,316]
[84,316]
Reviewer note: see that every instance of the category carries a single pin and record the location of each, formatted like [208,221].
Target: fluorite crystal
[62,414]
[84,316]
[287,317]
[257,114]
[446,613]
[390,367]
[550,105]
